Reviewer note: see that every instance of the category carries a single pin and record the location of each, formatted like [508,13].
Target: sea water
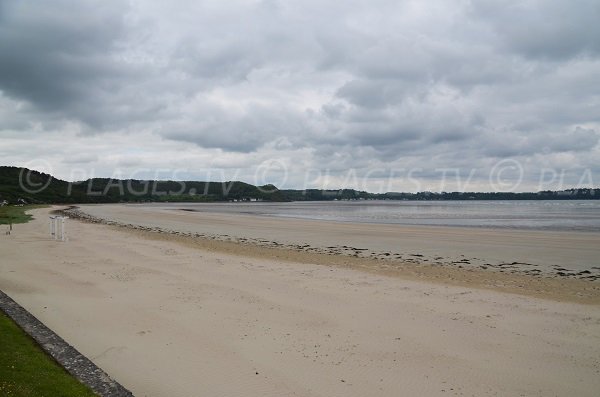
[580,215]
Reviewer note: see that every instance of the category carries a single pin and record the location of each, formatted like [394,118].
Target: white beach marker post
[57,227]
[63,232]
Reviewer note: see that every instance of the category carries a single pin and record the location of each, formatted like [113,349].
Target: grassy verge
[13,214]
[26,370]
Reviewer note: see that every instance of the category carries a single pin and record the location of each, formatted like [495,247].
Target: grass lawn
[26,370]
[13,214]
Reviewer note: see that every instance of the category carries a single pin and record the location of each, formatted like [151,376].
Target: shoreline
[544,253]
[528,283]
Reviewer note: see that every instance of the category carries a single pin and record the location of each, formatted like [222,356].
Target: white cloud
[221,87]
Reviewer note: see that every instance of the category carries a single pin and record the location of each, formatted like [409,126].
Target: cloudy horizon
[374,95]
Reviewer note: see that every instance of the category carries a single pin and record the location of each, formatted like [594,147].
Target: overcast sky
[379,94]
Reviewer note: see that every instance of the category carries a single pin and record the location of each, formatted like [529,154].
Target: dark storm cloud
[68,60]
[57,54]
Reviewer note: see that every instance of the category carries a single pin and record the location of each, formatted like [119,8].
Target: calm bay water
[540,215]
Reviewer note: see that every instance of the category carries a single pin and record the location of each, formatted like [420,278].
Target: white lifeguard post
[57,227]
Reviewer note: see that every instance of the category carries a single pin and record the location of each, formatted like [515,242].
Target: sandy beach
[167,315]
[552,253]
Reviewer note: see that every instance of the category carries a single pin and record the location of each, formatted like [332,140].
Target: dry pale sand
[167,318]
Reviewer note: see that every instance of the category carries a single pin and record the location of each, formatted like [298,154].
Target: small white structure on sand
[57,227]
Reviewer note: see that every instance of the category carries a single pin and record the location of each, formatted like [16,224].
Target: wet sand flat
[549,252]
